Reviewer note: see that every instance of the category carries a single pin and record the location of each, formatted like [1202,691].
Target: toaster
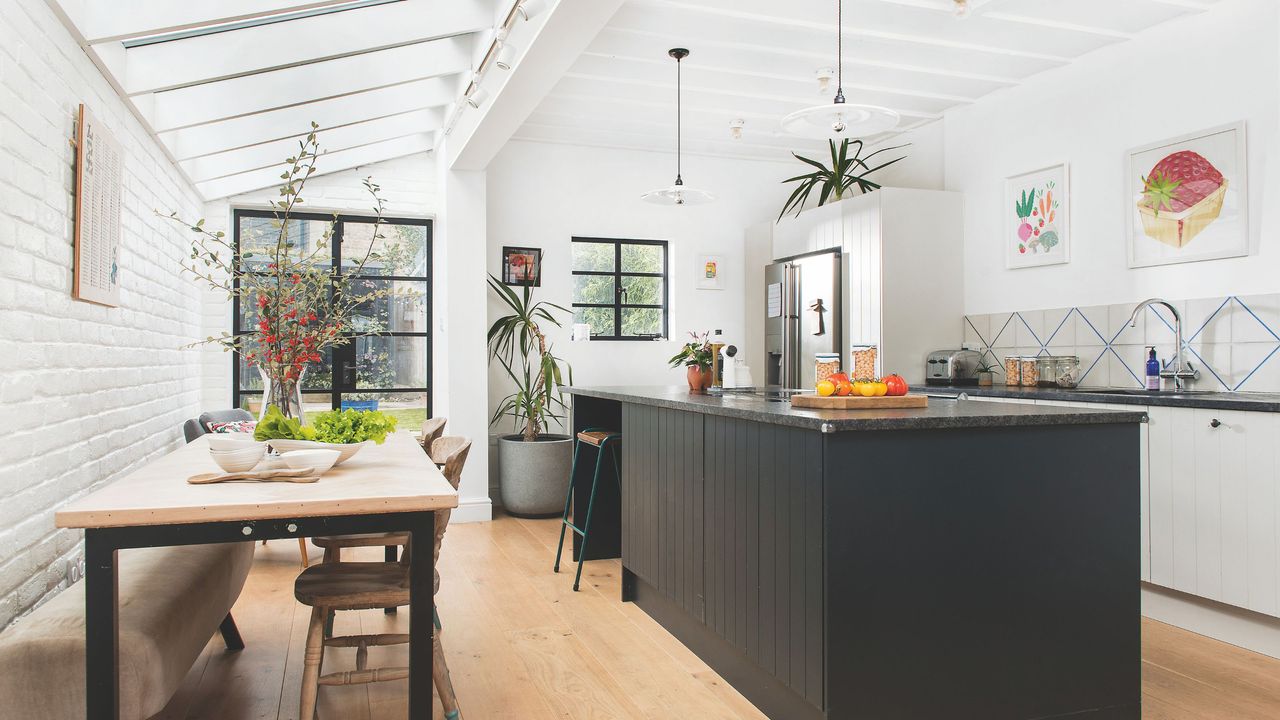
[952,367]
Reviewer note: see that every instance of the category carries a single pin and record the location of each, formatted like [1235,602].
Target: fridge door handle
[790,325]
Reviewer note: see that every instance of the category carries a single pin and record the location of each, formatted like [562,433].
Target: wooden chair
[336,585]
[432,429]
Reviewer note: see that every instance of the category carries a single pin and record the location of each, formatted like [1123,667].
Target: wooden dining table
[393,487]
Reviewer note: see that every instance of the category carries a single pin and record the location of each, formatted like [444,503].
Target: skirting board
[472,510]
[1236,626]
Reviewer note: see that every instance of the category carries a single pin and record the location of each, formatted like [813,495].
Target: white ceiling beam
[121,20]
[331,140]
[1198,5]
[330,163]
[180,63]
[708,90]
[855,31]
[984,9]
[264,92]
[224,135]
[853,56]
[563,33]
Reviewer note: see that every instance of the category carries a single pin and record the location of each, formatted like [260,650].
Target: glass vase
[286,395]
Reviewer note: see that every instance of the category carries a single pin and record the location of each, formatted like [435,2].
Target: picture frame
[1037,212]
[1172,218]
[522,266]
[710,272]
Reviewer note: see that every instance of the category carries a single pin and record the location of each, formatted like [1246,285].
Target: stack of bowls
[236,452]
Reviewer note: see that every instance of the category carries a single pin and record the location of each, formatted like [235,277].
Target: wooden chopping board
[851,402]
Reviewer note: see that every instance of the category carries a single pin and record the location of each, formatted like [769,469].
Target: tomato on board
[897,385]
[826,388]
[879,388]
[844,387]
[865,388]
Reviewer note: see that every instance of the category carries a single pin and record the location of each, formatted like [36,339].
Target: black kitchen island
[971,560]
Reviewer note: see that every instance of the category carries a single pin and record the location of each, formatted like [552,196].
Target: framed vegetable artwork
[522,266]
[1186,199]
[1037,218]
[710,271]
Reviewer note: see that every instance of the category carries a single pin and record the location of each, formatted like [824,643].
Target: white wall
[1205,70]
[89,392]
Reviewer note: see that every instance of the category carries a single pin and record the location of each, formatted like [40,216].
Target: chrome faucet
[1181,372]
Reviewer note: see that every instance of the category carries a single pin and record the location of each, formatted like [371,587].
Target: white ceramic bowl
[319,460]
[239,460]
[345,451]
[231,441]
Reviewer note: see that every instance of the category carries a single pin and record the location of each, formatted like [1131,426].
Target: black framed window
[620,287]
[388,367]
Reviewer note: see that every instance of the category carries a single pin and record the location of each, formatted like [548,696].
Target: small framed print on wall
[522,266]
[1037,218]
[710,271]
[1187,198]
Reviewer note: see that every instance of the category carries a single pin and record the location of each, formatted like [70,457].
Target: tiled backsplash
[1233,341]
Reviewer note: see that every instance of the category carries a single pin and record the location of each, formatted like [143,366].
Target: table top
[396,476]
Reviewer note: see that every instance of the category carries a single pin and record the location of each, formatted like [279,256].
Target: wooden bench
[172,600]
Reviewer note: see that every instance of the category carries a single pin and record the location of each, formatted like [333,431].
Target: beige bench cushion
[172,600]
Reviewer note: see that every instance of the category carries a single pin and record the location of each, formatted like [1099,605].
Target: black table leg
[389,555]
[421,603]
[102,651]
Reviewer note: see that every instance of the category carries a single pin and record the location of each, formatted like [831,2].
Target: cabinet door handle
[1215,423]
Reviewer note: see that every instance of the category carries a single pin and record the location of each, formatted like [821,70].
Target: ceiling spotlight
[477,97]
[824,76]
[506,56]
[529,9]
[961,8]
[735,128]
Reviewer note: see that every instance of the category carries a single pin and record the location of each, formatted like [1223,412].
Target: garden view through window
[388,366]
[620,288]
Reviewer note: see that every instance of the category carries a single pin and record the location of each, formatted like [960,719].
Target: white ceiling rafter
[227,87]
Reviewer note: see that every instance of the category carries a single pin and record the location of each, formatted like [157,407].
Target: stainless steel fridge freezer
[803,316]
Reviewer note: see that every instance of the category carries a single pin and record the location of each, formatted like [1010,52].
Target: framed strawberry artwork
[1037,219]
[1186,198]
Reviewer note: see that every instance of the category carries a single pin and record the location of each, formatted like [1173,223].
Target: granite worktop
[942,412]
[1250,401]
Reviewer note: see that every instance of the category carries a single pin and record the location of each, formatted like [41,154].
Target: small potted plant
[986,373]
[696,356]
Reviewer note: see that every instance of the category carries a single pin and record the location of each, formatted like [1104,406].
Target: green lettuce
[352,426]
[275,426]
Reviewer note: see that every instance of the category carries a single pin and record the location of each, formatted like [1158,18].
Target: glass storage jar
[1047,371]
[1067,371]
[1028,367]
[825,365]
[1012,371]
[864,362]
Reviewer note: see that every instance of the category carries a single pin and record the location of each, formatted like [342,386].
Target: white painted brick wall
[408,186]
[87,392]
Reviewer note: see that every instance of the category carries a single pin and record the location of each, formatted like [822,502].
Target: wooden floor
[521,644]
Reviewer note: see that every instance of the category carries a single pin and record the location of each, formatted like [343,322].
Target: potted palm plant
[846,172]
[533,464]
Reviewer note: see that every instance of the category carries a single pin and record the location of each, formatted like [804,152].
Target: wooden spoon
[300,475]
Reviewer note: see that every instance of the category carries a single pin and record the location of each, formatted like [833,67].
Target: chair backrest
[453,450]
[444,448]
[432,429]
[195,427]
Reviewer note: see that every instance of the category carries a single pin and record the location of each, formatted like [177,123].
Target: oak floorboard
[522,645]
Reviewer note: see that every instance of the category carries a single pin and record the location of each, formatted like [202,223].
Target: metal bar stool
[601,440]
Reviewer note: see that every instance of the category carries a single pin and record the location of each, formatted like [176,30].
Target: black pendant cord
[679,127]
[839,51]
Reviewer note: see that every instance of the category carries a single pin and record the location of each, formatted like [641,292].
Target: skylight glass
[253,22]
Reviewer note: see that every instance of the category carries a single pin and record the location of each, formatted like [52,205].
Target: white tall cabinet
[903,270]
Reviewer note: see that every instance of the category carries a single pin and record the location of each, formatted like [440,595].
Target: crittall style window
[620,288]
[388,367]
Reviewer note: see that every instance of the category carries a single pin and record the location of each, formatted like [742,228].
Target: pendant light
[839,119]
[678,194]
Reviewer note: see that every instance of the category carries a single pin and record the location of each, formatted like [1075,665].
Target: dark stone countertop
[1250,401]
[941,413]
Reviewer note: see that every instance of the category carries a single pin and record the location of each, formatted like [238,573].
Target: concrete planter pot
[534,476]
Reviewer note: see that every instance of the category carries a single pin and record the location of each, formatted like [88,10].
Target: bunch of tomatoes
[840,384]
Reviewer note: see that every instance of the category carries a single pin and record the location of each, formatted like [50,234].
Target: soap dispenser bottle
[1153,370]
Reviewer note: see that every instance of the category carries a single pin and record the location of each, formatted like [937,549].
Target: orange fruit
[844,387]
[826,388]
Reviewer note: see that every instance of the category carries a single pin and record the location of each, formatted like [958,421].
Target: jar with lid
[1029,370]
[1012,371]
[864,362]
[1047,370]
[825,365]
[1067,371]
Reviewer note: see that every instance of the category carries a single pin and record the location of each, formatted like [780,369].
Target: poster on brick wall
[97,213]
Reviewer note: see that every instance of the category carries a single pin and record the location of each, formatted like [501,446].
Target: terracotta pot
[699,378]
